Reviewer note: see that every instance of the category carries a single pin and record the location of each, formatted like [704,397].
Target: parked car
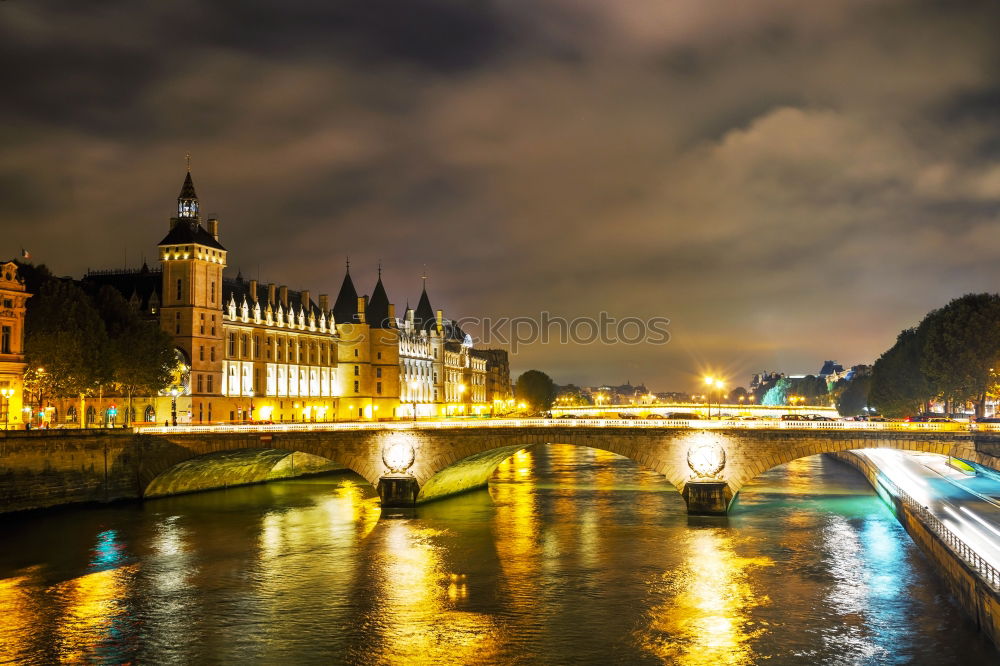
[627,416]
[930,418]
[684,416]
[794,417]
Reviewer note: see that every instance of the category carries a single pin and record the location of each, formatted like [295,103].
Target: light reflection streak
[422,610]
[707,618]
[20,617]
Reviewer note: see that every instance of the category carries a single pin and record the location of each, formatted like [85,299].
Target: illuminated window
[378,387]
[378,372]
[5,340]
[355,387]
[180,287]
[211,381]
[199,383]
[356,371]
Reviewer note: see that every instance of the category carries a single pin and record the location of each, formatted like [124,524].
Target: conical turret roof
[345,309]
[423,316]
[378,307]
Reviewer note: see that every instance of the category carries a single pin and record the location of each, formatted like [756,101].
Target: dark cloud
[786,181]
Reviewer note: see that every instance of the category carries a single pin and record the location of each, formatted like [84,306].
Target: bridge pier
[398,491]
[707,498]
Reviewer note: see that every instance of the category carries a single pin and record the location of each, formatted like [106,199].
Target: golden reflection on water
[706,619]
[92,606]
[422,604]
[19,616]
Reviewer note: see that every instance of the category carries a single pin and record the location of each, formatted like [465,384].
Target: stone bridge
[415,463]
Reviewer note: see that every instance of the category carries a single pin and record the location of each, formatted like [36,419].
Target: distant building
[13,300]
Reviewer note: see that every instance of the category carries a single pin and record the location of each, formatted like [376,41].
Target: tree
[141,356]
[898,385]
[853,398]
[962,348]
[65,342]
[535,388]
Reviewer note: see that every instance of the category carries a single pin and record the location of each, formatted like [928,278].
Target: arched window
[91,415]
[71,416]
[149,415]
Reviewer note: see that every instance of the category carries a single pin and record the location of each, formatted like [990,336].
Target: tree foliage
[852,396]
[141,355]
[535,388]
[899,386]
[65,341]
[75,344]
[962,348]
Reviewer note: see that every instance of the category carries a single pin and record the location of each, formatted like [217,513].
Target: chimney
[283,295]
[253,291]
[213,227]
[392,314]
[270,293]
[362,306]
[324,302]
[440,319]
[305,299]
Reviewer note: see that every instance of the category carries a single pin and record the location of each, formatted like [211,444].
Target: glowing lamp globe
[398,457]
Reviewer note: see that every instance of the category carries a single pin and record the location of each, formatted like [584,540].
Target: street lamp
[173,405]
[461,397]
[7,394]
[710,382]
[414,385]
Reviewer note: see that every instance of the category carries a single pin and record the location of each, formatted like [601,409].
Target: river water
[573,555]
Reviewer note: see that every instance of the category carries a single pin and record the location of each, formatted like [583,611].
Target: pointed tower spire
[378,305]
[424,316]
[345,309]
[187,201]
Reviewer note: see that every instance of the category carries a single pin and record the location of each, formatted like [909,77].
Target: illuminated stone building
[13,299]
[263,352]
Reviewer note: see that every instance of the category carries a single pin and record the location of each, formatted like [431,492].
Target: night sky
[786,181]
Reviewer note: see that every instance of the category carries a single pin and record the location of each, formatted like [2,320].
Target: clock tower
[191,310]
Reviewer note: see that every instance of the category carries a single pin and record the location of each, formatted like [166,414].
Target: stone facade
[13,300]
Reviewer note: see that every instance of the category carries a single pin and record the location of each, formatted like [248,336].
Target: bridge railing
[986,571]
[571,423]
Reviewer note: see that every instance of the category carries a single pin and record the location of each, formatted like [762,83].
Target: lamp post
[173,406]
[709,382]
[7,394]
[461,397]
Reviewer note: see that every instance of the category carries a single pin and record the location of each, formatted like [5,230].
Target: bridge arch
[240,467]
[466,468]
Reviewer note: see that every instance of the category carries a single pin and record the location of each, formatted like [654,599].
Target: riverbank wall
[970,587]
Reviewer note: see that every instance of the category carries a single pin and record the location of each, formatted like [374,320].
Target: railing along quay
[860,426]
[986,571]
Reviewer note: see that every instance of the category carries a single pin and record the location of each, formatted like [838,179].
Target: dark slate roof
[190,232]
[187,189]
[143,287]
[378,308]
[239,289]
[345,309]
[423,316]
